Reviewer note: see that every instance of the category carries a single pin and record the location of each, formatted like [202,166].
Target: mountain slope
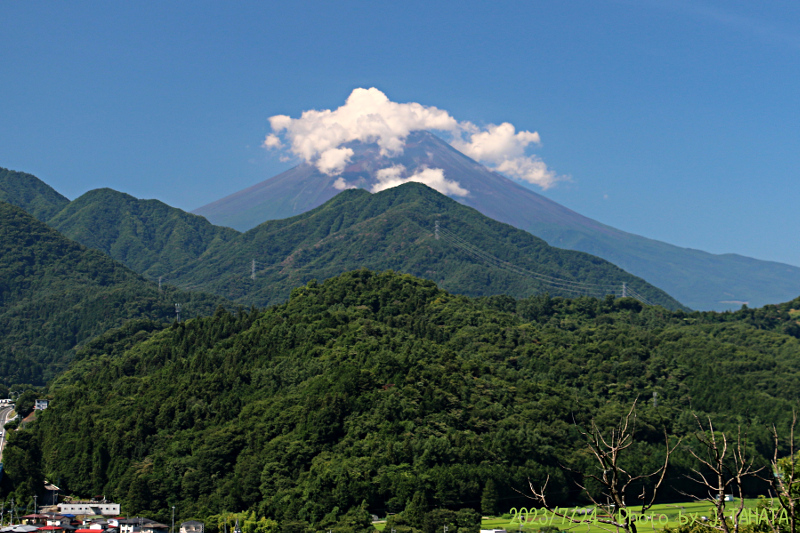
[56,294]
[395,229]
[382,388]
[30,193]
[147,236]
[696,278]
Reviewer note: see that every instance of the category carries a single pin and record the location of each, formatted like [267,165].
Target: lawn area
[657,518]
[663,515]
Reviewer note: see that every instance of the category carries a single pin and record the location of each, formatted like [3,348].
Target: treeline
[383,393]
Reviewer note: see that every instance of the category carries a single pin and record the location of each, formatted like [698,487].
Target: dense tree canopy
[56,294]
[384,392]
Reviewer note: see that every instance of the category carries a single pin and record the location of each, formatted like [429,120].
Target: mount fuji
[699,279]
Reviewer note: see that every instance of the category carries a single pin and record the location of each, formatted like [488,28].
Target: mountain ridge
[150,237]
[31,194]
[396,229]
[699,279]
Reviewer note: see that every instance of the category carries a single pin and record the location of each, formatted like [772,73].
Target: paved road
[5,413]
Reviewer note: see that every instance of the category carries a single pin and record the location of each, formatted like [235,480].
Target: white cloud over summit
[503,149]
[432,177]
[369,116]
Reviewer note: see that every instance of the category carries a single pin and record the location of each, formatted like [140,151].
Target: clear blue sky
[679,121]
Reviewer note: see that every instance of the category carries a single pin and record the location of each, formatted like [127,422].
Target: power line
[565,285]
[575,287]
[544,277]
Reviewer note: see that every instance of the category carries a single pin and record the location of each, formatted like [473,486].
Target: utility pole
[253,270]
[624,289]
[178,312]
[173,520]
[436,231]
[35,507]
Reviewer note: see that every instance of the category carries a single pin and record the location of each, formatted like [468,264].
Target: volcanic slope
[698,279]
[56,294]
[147,236]
[396,229]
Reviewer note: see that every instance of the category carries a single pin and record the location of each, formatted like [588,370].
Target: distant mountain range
[391,230]
[698,279]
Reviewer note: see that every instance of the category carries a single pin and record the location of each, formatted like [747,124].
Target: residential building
[192,526]
[90,508]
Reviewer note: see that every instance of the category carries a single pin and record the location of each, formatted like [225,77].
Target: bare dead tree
[727,465]
[785,479]
[614,480]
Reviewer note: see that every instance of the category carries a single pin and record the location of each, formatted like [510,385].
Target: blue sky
[679,121]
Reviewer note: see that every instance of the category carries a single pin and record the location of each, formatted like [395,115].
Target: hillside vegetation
[56,294]
[31,194]
[384,392]
[147,236]
[698,279]
[395,229]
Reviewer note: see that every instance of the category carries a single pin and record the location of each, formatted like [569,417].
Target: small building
[53,529]
[38,519]
[41,405]
[192,526]
[58,520]
[90,508]
[154,527]
[134,525]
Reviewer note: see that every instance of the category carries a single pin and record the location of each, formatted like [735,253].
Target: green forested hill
[55,294]
[395,229]
[147,236]
[30,193]
[382,390]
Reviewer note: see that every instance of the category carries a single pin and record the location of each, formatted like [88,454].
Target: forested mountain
[56,294]
[396,229]
[384,391]
[31,194]
[147,236]
[696,278]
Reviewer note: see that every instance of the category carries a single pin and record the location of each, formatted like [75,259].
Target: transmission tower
[624,289]
[436,231]
[253,270]
[159,284]
[178,312]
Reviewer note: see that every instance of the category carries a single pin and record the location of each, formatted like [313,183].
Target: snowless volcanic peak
[425,158]
[698,279]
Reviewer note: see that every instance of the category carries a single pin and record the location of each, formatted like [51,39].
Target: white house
[89,508]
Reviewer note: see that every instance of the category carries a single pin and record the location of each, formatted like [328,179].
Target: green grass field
[657,518]
[663,515]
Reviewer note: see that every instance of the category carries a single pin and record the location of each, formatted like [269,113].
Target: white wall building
[89,508]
